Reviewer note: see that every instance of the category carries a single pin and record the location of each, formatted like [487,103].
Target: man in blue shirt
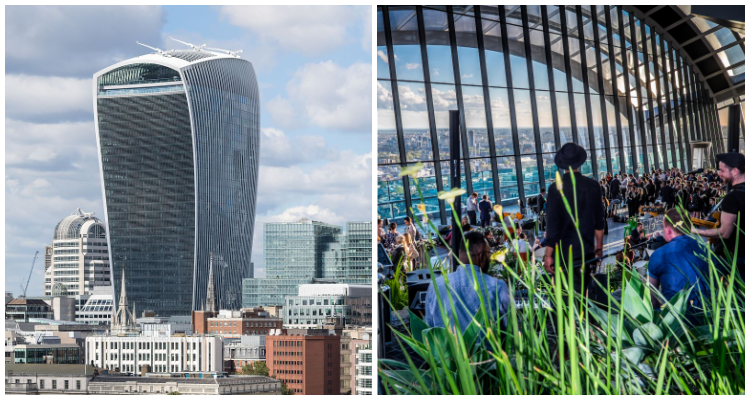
[465,298]
[680,264]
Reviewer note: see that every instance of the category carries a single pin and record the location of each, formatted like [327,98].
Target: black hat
[570,155]
[732,160]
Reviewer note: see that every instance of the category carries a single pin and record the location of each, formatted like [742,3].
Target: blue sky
[314,71]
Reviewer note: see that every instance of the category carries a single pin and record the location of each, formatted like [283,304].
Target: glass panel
[387,141]
[501,121]
[524,121]
[563,117]
[382,60]
[558,62]
[519,70]
[468,53]
[732,55]
[481,177]
[529,168]
[575,64]
[539,60]
[493,53]
[612,122]
[596,118]
[476,121]
[443,100]
[415,121]
[438,46]
[546,128]
[581,121]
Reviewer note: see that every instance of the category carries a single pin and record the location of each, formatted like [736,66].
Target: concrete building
[22,309]
[155,354]
[361,349]
[95,308]
[315,302]
[246,350]
[179,130]
[49,379]
[307,361]
[80,256]
[165,326]
[84,379]
[233,385]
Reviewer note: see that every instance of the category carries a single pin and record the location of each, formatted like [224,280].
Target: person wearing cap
[585,203]
[732,172]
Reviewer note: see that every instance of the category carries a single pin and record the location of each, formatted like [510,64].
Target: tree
[174,393]
[256,368]
[284,389]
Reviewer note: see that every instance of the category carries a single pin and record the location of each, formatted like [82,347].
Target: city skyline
[313,160]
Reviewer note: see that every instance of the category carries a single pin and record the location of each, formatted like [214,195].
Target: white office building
[80,258]
[316,302]
[159,354]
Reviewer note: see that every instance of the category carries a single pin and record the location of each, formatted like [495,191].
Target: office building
[304,252]
[362,349]
[308,361]
[178,135]
[348,259]
[637,86]
[130,353]
[47,354]
[23,309]
[317,302]
[79,257]
[234,324]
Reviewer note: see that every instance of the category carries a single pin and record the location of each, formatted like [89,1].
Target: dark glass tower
[178,137]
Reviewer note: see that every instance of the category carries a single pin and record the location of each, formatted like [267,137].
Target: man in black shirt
[614,188]
[586,205]
[732,172]
[667,195]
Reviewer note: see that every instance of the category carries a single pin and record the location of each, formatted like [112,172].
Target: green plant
[572,346]
[255,368]
[399,293]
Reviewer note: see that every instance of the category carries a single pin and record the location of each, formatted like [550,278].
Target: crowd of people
[696,192]
[672,267]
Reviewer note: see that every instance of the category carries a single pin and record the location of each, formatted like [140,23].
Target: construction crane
[29,279]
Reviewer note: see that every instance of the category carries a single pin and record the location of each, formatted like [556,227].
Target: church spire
[211,295]
[123,319]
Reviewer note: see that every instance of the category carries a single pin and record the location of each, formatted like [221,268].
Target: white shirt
[411,230]
[471,204]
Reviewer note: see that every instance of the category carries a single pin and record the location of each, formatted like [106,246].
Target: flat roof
[234,379]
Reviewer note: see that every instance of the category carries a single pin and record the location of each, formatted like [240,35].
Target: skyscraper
[178,138]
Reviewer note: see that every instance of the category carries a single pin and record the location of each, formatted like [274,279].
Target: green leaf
[674,311]
[601,318]
[406,381]
[417,326]
[471,334]
[436,340]
[648,335]
[633,304]
[634,354]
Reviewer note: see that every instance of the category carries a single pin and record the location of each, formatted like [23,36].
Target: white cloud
[42,96]
[412,65]
[464,76]
[278,149]
[327,95]
[76,40]
[383,56]
[308,29]
[367,30]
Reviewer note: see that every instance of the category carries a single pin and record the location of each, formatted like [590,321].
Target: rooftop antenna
[231,53]
[158,50]
[192,46]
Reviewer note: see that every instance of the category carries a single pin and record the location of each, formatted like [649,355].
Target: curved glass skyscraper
[178,138]
[633,85]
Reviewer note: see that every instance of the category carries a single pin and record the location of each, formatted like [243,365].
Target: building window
[54,384]
[78,385]
[41,384]
[66,384]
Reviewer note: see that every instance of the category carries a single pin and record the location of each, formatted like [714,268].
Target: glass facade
[299,252]
[526,80]
[179,144]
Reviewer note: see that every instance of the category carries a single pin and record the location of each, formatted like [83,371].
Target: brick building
[234,324]
[307,361]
